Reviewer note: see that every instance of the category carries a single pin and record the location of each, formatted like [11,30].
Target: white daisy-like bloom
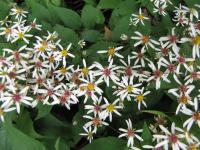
[34,25]
[90,87]
[183,101]
[64,53]
[193,75]
[140,98]
[128,70]
[5,21]
[171,139]
[17,97]
[10,74]
[51,92]
[112,52]
[161,10]
[88,133]
[94,122]
[107,73]
[4,109]
[169,65]
[64,72]
[192,13]
[136,18]
[195,40]
[182,61]
[171,40]
[130,133]
[39,67]
[95,108]
[127,88]
[144,40]
[18,12]
[8,32]
[66,96]
[110,108]
[140,58]
[184,88]
[85,71]
[163,51]
[81,43]
[181,19]
[195,115]
[157,75]
[21,34]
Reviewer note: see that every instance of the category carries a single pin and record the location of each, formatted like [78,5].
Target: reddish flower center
[194,75]
[171,68]
[12,74]
[130,133]
[128,71]
[2,87]
[97,108]
[16,56]
[183,88]
[140,55]
[172,39]
[50,92]
[38,64]
[165,51]
[96,121]
[33,25]
[196,116]
[145,39]
[173,138]
[106,72]
[40,81]
[181,60]
[67,93]
[63,99]
[16,97]
[157,74]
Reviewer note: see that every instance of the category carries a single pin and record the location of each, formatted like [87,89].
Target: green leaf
[108,4]
[91,35]
[91,16]
[43,110]
[68,17]
[56,2]
[90,2]
[4,9]
[107,143]
[67,35]
[155,112]
[60,145]
[25,124]
[39,11]
[19,140]
[5,141]
[146,135]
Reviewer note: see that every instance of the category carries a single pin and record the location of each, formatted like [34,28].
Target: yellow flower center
[192,147]
[111,51]
[85,71]
[141,17]
[145,39]
[110,108]
[90,134]
[1,112]
[196,40]
[129,88]
[19,11]
[42,48]
[20,35]
[183,99]
[140,98]
[64,53]
[63,70]
[82,88]
[8,30]
[90,86]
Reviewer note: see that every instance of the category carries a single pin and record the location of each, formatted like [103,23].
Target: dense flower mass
[38,70]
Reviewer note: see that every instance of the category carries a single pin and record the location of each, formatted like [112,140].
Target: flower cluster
[38,69]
